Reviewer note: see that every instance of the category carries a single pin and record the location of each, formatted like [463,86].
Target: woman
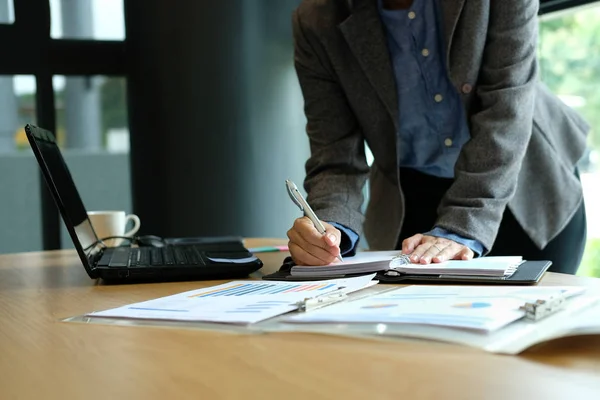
[472,155]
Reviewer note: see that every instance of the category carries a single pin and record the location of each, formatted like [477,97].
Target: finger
[333,236]
[465,254]
[433,249]
[306,229]
[325,255]
[303,257]
[317,251]
[454,251]
[409,244]
[448,253]
[419,252]
[310,235]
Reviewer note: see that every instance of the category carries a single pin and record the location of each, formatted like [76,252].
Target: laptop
[193,258]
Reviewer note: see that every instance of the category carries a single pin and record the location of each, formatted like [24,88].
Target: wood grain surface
[42,357]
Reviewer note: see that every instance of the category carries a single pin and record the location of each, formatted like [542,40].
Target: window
[85,110]
[92,131]
[91,113]
[569,53]
[7,13]
[19,177]
[87,19]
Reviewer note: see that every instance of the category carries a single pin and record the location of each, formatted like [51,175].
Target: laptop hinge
[95,257]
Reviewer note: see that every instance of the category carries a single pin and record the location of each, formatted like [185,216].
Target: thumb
[332,235]
[465,254]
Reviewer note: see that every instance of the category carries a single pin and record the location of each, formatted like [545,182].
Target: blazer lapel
[450,10]
[364,33]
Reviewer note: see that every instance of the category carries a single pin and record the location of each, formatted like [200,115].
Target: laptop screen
[60,182]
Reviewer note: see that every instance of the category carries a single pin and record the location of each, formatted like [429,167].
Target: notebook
[393,267]
[392,261]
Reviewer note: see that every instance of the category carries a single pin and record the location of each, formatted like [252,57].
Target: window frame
[549,6]
[30,50]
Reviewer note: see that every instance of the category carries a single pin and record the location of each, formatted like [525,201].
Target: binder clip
[543,308]
[313,303]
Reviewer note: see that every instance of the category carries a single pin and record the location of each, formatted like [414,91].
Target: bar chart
[260,288]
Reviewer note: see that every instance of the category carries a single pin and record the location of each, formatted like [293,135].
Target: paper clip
[313,303]
[543,308]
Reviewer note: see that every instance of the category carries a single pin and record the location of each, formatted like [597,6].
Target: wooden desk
[43,358]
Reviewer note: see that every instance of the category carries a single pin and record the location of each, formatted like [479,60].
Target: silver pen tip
[290,184]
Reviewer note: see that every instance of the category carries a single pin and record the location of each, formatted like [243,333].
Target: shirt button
[438,98]
[425,52]
[412,15]
[448,142]
[466,88]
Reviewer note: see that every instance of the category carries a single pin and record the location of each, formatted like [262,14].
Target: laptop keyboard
[146,256]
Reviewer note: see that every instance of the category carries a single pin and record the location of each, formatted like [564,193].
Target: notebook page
[368,261]
[487,266]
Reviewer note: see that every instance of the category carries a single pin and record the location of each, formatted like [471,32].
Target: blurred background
[190,115]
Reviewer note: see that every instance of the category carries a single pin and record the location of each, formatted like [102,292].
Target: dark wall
[215,114]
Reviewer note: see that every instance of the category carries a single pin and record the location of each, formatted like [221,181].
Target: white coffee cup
[113,223]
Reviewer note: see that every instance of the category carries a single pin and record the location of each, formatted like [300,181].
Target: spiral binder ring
[399,260]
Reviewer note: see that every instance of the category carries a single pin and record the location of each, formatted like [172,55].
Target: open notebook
[393,267]
[393,261]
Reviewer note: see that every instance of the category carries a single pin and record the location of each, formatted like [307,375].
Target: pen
[297,198]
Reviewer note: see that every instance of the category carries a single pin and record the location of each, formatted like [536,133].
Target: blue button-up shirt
[432,123]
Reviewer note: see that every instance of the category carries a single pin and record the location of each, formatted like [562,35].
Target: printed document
[468,307]
[237,302]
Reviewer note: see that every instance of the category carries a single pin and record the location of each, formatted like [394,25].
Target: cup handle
[136,224]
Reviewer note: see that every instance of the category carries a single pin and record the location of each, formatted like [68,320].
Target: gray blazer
[524,142]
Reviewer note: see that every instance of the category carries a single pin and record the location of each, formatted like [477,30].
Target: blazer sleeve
[487,169]
[336,170]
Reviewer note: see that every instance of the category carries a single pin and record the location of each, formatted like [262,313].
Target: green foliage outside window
[569,56]
[590,266]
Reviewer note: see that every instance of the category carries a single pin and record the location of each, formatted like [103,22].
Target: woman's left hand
[425,249]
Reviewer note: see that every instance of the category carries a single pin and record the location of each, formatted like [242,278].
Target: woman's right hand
[309,247]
